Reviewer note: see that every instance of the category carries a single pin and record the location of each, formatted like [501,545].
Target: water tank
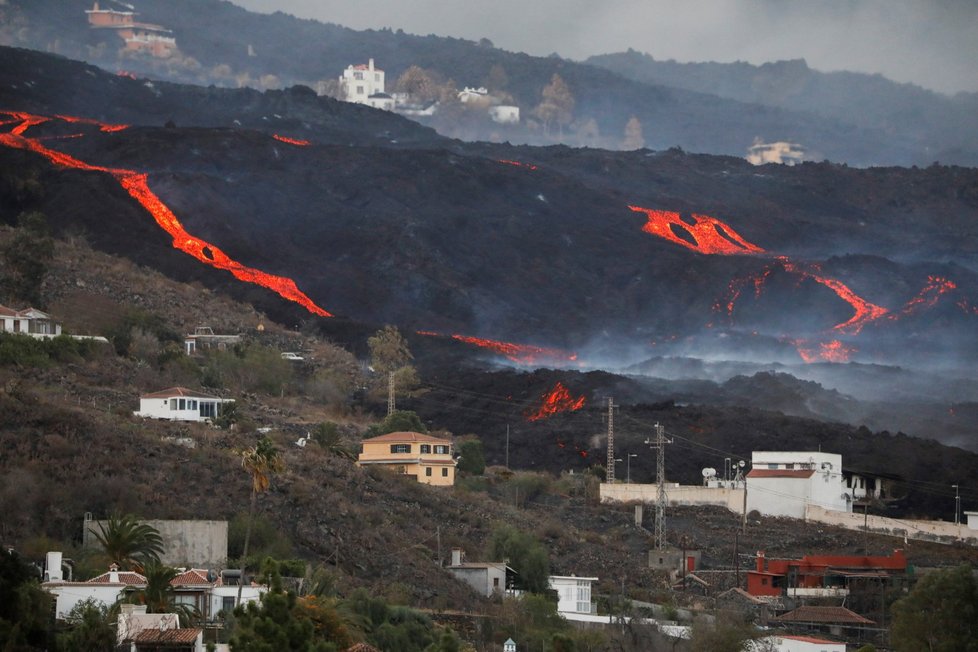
[53,570]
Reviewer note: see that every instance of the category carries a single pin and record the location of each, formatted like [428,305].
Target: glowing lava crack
[136,184]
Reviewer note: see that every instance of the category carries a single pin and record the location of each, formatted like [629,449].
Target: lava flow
[831,351]
[291,141]
[864,311]
[936,287]
[524,354]
[557,400]
[519,164]
[136,184]
[709,235]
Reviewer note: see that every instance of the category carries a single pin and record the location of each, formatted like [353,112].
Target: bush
[26,351]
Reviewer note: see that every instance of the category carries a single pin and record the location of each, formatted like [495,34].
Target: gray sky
[932,43]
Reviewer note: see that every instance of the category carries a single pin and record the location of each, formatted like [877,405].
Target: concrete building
[792,643]
[360,81]
[180,404]
[488,578]
[573,593]
[427,459]
[780,152]
[204,337]
[154,40]
[186,543]
[783,483]
[506,114]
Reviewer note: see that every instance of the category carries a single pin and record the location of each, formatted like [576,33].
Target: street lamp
[957,504]
[628,474]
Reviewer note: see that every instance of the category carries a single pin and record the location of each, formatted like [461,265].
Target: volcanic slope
[545,246]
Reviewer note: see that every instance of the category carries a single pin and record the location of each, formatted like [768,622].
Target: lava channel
[708,234]
[136,184]
[557,400]
[523,354]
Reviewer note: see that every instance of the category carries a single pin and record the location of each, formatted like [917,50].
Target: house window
[772,466]
[789,466]
[425,448]
[495,582]
[442,450]
[183,404]
[208,409]
[444,472]
[227,604]
[400,448]
[427,471]
[173,404]
[376,76]
[191,405]
[359,90]
[358,76]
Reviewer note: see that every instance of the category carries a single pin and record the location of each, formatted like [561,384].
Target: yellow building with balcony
[428,459]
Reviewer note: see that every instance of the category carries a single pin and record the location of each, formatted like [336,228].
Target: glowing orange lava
[864,311]
[831,351]
[136,184]
[709,235]
[936,287]
[519,164]
[88,121]
[557,400]
[291,141]
[524,354]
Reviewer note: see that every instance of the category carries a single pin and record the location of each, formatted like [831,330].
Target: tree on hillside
[633,135]
[473,459]
[129,543]
[391,357]
[419,84]
[398,421]
[159,595]
[527,556]
[261,461]
[939,615]
[24,258]
[25,608]
[556,105]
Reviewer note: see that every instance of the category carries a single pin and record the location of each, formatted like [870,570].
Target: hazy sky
[932,43]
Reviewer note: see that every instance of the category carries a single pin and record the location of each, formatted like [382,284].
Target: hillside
[945,126]
[70,445]
[226,45]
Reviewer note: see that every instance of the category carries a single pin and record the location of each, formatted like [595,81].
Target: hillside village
[643,591]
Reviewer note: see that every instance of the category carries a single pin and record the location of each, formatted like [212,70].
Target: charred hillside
[222,44]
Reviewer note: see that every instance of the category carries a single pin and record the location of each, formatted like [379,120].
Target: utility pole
[390,393]
[507,446]
[660,478]
[957,504]
[610,471]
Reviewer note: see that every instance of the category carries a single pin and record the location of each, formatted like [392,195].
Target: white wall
[573,593]
[67,595]
[918,530]
[732,499]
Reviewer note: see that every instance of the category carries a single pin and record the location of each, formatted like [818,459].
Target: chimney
[760,561]
[456,556]
[53,563]
[114,574]
[370,64]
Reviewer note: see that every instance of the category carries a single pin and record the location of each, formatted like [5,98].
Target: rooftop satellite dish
[709,473]
[741,463]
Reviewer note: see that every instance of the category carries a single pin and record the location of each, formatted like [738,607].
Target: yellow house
[429,459]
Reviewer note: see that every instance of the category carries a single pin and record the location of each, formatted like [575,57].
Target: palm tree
[159,596]
[261,461]
[129,543]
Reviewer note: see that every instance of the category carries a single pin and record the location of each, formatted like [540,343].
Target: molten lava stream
[524,354]
[937,286]
[710,235]
[291,141]
[557,400]
[831,351]
[137,186]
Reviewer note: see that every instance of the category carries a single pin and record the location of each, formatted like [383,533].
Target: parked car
[288,355]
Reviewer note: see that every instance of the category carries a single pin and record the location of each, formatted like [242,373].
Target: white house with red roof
[106,588]
[361,81]
[783,483]
[180,404]
[29,321]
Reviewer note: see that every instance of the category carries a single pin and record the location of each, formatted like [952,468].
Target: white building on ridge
[360,82]
[783,483]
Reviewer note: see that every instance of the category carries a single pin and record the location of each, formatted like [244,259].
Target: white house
[791,643]
[780,152]
[29,321]
[180,404]
[783,483]
[360,81]
[106,588]
[204,337]
[381,101]
[506,114]
[573,593]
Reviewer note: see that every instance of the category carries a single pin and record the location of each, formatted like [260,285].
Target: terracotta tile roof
[192,577]
[128,578]
[831,615]
[361,647]
[781,473]
[177,391]
[407,437]
[7,312]
[179,636]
